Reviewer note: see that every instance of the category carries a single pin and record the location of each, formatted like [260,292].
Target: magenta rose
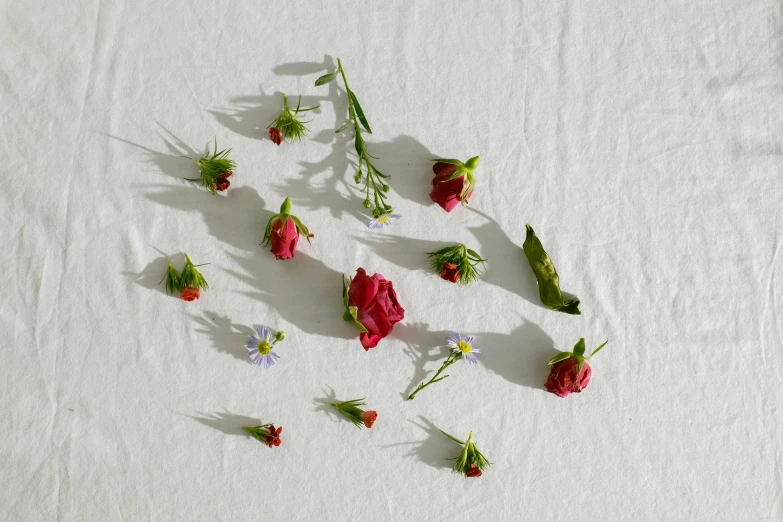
[283,230]
[372,303]
[563,380]
[453,182]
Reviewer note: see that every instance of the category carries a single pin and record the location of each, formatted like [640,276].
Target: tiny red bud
[450,272]
[190,294]
[369,418]
[473,471]
[275,136]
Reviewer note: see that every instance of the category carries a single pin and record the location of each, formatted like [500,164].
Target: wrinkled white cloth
[642,141]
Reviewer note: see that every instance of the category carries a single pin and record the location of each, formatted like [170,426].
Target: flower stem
[452,358]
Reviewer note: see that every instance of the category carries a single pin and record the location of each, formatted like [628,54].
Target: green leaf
[358,143]
[359,112]
[343,127]
[599,348]
[579,347]
[562,356]
[326,78]
[449,161]
[548,281]
[345,293]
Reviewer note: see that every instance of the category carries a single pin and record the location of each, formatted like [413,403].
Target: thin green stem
[448,362]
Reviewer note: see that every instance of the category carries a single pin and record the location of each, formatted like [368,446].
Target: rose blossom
[563,380]
[376,304]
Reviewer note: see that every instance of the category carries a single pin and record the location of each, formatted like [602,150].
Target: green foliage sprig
[190,277]
[468,262]
[578,353]
[548,281]
[351,410]
[214,169]
[288,124]
[470,461]
[373,178]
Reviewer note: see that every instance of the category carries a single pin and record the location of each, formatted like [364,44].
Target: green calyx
[213,168]
[351,410]
[284,216]
[469,457]
[190,277]
[577,353]
[468,262]
[464,169]
[351,312]
[288,124]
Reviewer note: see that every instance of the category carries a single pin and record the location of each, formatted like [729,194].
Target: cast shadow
[404,252]
[152,277]
[436,450]
[302,290]
[520,357]
[226,336]
[237,218]
[228,423]
[169,163]
[409,163]
[423,347]
[507,266]
[322,405]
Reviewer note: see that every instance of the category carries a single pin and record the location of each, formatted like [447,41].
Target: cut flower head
[260,346]
[214,170]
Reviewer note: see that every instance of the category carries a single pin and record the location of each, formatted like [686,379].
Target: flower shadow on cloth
[304,291]
[424,347]
[435,450]
[226,422]
[404,252]
[508,267]
[169,163]
[151,275]
[226,336]
[322,405]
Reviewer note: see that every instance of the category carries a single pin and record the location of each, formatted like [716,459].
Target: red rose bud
[474,471]
[563,379]
[283,232]
[450,272]
[190,294]
[448,190]
[376,306]
[275,136]
[369,418]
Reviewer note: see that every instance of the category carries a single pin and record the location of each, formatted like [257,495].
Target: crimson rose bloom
[284,239]
[369,418]
[190,294]
[447,193]
[377,307]
[450,272]
[563,380]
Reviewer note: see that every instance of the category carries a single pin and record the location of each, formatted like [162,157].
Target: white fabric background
[641,140]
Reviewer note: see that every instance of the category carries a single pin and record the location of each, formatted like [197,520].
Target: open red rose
[450,272]
[376,305]
[447,194]
[190,294]
[563,380]
[284,239]
[369,418]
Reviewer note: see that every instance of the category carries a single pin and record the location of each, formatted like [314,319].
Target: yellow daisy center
[264,348]
[383,219]
[464,346]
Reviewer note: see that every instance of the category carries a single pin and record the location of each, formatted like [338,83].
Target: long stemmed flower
[215,170]
[470,461]
[373,178]
[355,414]
[287,125]
[460,347]
[260,347]
[458,264]
[266,433]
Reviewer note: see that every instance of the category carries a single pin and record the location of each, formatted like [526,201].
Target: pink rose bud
[563,380]
[284,239]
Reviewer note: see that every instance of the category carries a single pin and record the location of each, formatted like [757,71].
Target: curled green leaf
[548,281]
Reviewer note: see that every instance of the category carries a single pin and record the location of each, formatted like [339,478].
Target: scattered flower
[460,347]
[458,264]
[355,414]
[453,182]
[189,282]
[470,461]
[287,125]
[384,220]
[266,433]
[371,305]
[283,231]
[546,275]
[215,170]
[190,294]
[357,121]
[570,372]
[260,347]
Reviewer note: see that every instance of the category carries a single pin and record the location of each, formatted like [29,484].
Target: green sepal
[353,312]
[190,277]
[326,78]
[351,410]
[562,356]
[580,361]
[172,278]
[343,127]
[546,275]
[301,228]
[359,112]
[449,161]
[599,348]
[579,347]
